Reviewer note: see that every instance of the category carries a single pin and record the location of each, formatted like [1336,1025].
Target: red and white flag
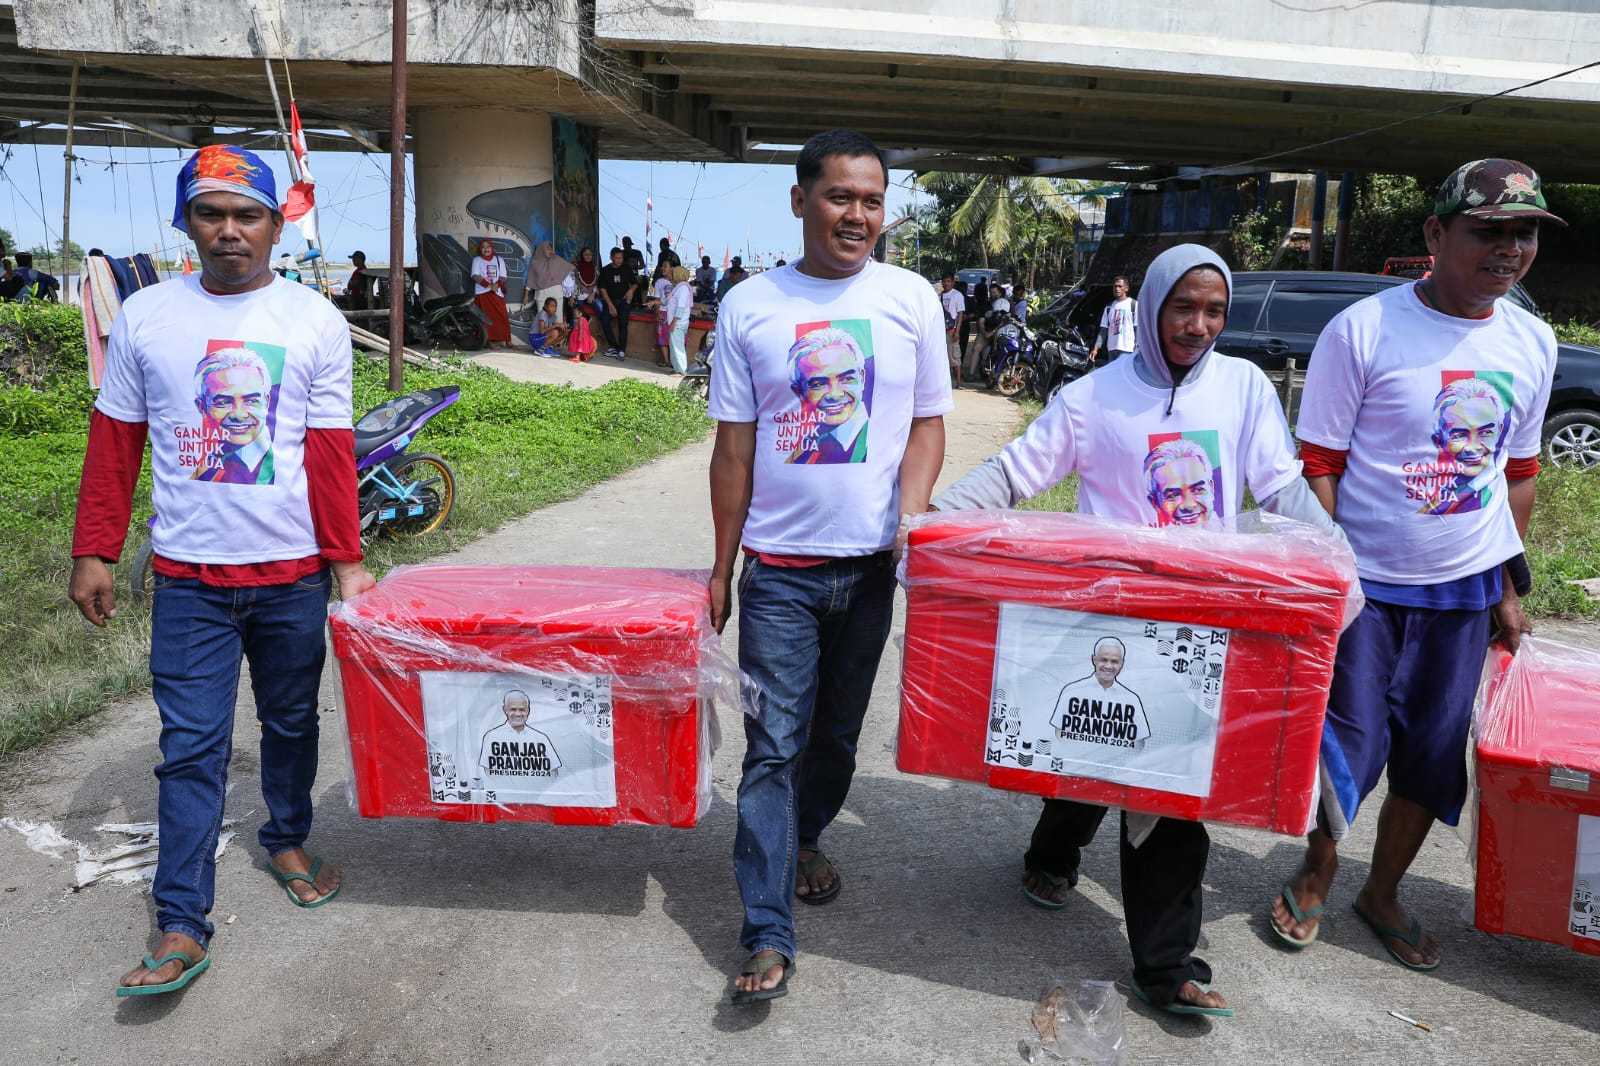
[300,205]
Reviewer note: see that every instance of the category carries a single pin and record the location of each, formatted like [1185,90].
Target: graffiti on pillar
[577,188]
[515,220]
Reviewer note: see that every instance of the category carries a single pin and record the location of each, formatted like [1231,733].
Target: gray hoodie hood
[1162,275]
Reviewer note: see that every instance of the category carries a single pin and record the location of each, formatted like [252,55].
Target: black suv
[1277,314]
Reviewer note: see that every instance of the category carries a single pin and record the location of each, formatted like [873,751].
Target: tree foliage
[1024,226]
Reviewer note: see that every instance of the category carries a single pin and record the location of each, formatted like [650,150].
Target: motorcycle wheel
[698,386]
[466,332]
[436,488]
[1012,380]
[142,573]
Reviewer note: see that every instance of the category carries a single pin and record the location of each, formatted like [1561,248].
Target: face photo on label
[1097,696]
[235,399]
[1471,418]
[516,738]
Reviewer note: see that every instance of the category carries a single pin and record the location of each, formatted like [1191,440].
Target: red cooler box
[547,694]
[1176,672]
[1538,777]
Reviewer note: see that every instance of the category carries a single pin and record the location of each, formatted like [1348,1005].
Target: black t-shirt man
[617,281]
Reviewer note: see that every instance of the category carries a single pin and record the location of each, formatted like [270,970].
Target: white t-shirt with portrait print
[228,386]
[1137,463]
[1430,407]
[486,273]
[831,372]
[1117,320]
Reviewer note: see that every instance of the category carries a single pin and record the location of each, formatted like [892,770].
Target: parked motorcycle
[1013,357]
[446,322]
[697,379]
[1063,359]
[397,493]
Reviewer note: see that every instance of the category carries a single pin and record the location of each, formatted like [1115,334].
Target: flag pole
[294,174]
[399,288]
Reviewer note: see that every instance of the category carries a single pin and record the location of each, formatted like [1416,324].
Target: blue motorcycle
[397,493]
[1014,358]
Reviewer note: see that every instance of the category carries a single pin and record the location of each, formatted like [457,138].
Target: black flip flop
[810,866]
[1051,881]
[760,963]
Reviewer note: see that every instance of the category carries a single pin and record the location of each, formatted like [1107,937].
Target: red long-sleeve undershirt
[105,505]
[1330,462]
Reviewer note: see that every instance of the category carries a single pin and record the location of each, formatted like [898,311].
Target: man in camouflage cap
[1420,432]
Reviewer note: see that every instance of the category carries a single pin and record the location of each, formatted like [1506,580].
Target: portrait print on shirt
[831,376]
[1182,477]
[504,738]
[236,407]
[1471,422]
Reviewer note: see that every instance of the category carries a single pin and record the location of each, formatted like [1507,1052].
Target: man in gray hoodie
[1175,434]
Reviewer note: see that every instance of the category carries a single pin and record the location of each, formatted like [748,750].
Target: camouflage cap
[1495,190]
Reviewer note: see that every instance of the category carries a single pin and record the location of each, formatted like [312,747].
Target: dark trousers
[615,327]
[1161,893]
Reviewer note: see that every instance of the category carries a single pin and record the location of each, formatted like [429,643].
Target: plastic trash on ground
[1538,795]
[573,695]
[1081,1024]
[1176,672]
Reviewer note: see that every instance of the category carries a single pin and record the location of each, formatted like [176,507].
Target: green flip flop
[191,970]
[287,881]
[1180,1007]
[1411,936]
[760,963]
[1052,883]
[1300,918]
[810,867]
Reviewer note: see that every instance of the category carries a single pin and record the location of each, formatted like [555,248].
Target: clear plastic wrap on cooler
[1538,795]
[1180,672]
[574,695]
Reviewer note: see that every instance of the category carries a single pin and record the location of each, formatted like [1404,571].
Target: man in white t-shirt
[241,382]
[1118,330]
[954,302]
[1420,429]
[829,391]
[1178,418]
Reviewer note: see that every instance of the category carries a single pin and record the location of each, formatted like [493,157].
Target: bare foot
[1192,994]
[296,861]
[1310,886]
[765,980]
[821,878]
[170,942]
[1389,913]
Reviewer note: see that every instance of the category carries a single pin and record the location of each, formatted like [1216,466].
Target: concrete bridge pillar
[481,173]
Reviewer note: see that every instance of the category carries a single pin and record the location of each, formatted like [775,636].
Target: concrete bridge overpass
[1137,88]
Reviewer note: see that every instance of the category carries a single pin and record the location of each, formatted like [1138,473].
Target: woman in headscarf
[546,272]
[588,272]
[489,293]
[1170,438]
[680,301]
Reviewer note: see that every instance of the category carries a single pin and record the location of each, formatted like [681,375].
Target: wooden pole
[398,288]
[1319,219]
[294,166]
[67,159]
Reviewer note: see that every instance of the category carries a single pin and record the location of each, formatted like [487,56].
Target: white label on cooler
[1116,699]
[1586,879]
[515,738]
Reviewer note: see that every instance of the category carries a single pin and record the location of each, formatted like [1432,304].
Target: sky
[122,201]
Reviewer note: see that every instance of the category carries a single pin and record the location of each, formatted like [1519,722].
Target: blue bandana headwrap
[223,168]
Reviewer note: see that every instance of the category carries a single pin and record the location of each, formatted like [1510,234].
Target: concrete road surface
[529,944]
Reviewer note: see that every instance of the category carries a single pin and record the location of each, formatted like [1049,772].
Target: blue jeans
[197,634]
[809,640]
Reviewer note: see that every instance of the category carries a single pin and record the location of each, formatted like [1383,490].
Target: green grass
[1563,541]
[514,447]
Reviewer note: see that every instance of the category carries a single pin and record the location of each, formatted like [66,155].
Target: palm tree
[1019,215]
